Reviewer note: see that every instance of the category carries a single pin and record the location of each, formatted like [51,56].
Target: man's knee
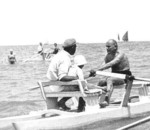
[115,81]
[102,82]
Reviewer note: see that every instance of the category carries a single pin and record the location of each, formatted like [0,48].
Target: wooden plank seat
[91,96]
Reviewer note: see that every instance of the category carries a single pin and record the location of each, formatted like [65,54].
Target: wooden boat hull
[7,122]
[68,120]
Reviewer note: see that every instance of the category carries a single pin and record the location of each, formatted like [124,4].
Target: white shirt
[58,68]
[76,71]
[40,48]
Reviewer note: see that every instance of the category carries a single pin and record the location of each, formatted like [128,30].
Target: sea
[16,98]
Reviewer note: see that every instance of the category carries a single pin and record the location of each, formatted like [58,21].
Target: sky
[28,22]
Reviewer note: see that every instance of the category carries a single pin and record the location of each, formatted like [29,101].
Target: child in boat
[76,70]
[11,57]
[77,66]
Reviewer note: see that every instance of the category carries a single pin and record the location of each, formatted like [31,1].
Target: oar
[134,124]
[60,83]
[34,56]
[121,76]
[115,75]
[45,84]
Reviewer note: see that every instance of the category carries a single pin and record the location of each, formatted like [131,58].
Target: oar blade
[115,75]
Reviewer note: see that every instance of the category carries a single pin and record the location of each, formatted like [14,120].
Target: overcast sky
[33,21]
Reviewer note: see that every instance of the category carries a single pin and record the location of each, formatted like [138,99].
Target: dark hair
[70,48]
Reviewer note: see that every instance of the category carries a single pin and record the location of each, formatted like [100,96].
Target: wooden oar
[134,124]
[60,83]
[115,75]
[121,76]
[34,56]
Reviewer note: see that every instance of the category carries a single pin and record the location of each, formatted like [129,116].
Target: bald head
[112,42]
[111,46]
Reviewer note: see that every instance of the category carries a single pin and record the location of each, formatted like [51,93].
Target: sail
[118,37]
[125,37]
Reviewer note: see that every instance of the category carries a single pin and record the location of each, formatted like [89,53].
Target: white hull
[73,120]
[63,120]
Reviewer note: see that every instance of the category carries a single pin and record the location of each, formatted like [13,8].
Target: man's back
[59,66]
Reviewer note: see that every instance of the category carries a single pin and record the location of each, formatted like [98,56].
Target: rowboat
[52,118]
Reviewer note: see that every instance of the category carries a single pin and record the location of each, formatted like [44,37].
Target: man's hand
[92,73]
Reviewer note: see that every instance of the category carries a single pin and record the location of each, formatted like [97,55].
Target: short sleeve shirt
[40,48]
[59,66]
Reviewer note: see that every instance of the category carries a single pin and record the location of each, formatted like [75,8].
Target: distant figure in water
[41,50]
[55,51]
[11,57]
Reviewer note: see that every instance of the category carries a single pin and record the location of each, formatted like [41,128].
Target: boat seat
[91,96]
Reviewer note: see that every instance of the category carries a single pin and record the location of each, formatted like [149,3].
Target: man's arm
[63,70]
[68,78]
[115,61]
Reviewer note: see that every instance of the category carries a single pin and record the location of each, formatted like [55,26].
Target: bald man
[118,62]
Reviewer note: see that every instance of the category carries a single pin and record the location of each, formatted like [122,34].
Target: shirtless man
[118,62]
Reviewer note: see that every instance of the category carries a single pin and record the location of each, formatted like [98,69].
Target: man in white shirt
[41,50]
[59,67]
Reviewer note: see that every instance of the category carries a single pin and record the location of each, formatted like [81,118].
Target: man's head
[70,46]
[55,44]
[40,43]
[111,46]
[11,51]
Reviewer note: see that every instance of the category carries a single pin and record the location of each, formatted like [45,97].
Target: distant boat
[125,37]
[118,37]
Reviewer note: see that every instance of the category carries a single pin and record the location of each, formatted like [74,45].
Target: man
[41,50]
[11,57]
[58,70]
[118,62]
[55,51]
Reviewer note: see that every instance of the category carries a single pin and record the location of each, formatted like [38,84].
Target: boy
[76,70]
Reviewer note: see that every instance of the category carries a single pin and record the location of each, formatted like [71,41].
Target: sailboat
[118,37]
[125,37]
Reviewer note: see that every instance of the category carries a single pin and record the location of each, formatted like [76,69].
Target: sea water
[17,79]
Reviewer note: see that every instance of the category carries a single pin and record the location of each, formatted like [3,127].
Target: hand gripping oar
[121,76]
